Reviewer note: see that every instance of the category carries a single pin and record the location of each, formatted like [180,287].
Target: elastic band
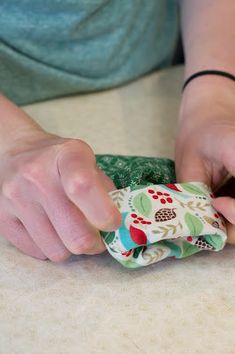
[208,72]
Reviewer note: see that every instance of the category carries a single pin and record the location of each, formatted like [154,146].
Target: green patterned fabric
[133,171]
[160,218]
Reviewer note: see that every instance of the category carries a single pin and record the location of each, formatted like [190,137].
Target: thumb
[83,185]
[190,168]
[226,206]
[224,201]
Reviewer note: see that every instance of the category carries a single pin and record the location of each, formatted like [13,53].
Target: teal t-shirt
[50,48]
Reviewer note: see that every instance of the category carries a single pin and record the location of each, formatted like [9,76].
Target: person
[54,198]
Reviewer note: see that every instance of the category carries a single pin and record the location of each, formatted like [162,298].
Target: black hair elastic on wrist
[208,72]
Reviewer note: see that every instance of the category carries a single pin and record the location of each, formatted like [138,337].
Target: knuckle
[80,184]
[11,190]
[31,171]
[82,244]
[34,174]
[78,145]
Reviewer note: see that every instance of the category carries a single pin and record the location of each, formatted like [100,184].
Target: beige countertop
[91,304]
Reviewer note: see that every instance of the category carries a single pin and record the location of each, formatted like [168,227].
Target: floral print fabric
[165,220]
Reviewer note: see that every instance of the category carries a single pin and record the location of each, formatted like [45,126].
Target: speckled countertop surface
[93,304]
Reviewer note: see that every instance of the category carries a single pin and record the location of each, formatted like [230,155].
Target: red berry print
[189,238]
[173,187]
[139,220]
[151,191]
[164,197]
[127,253]
[138,236]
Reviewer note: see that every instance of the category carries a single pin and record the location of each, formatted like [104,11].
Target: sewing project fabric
[165,220]
[132,171]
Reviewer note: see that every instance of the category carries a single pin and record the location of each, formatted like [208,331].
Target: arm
[15,125]
[205,142]
[208,28]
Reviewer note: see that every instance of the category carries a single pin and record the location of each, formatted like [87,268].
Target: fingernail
[113,221]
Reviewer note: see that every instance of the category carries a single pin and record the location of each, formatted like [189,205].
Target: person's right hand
[53,197]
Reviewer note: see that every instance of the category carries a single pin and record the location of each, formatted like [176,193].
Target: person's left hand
[205,141]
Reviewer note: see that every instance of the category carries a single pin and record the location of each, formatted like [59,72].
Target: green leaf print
[194,224]
[142,204]
[108,236]
[129,263]
[175,249]
[137,251]
[188,249]
[192,189]
[215,240]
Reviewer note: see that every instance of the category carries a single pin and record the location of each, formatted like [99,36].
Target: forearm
[15,124]
[208,29]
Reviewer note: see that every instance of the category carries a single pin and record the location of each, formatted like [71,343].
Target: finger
[14,231]
[43,233]
[83,186]
[190,168]
[77,234]
[227,153]
[107,181]
[226,206]
[225,202]
[231,233]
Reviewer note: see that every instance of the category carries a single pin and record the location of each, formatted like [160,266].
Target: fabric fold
[164,221]
[160,220]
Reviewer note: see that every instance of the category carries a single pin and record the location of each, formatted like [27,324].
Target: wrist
[16,126]
[210,72]
[207,98]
